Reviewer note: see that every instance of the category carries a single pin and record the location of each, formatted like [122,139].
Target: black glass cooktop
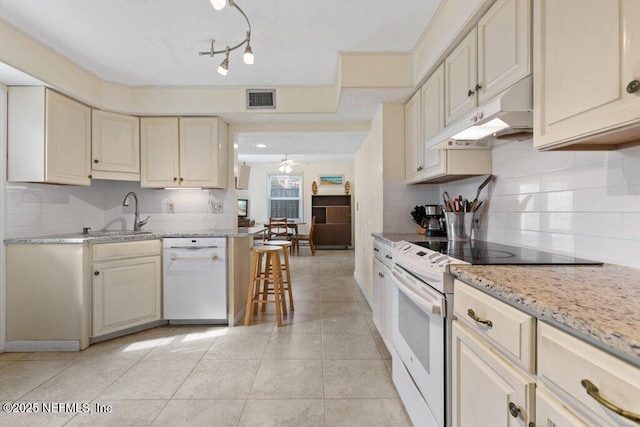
[486,253]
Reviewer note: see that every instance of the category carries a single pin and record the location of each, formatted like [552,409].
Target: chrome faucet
[137,224]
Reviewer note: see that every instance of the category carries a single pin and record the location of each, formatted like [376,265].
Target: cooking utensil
[474,204]
[448,204]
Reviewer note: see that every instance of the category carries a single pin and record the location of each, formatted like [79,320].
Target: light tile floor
[327,366]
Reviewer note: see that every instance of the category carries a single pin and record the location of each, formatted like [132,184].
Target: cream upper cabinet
[460,69]
[432,93]
[184,152]
[586,57]
[159,152]
[486,389]
[203,142]
[413,146]
[49,137]
[495,55]
[115,146]
[504,47]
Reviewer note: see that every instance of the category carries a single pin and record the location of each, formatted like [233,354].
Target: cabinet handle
[95,161]
[592,391]
[96,273]
[486,322]
[175,179]
[478,86]
[633,86]
[376,249]
[470,93]
[90,176]
[388,257]
[181,179]
[514,410]
[474,119]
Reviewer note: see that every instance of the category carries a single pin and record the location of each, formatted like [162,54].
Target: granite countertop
[595,303]
[128,235]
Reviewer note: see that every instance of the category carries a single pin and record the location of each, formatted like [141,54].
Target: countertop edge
[79,238]
[614,345]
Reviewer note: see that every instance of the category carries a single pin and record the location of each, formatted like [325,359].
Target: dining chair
[306,239]
[278,229]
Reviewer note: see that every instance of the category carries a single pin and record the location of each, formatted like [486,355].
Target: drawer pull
[376,249]
[592,391]
[486,322]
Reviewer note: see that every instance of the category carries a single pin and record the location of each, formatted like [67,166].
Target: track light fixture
[248,58]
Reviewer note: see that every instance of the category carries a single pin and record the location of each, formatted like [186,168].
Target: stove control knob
[433,258]
[443,262]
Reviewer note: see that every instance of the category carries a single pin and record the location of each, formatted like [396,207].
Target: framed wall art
[331,180]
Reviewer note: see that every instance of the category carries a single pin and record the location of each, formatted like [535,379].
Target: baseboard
[363,289]
[128,331]
[239,317]
[30,346]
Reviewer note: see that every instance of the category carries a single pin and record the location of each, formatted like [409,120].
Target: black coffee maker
[431,218]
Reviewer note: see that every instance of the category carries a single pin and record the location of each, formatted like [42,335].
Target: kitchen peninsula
[65,269]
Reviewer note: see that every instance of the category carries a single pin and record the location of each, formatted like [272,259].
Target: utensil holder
[459,225]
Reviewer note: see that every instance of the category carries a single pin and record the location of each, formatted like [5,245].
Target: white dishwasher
[195,280]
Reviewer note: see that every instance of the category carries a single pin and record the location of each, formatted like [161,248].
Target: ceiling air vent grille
[261,99]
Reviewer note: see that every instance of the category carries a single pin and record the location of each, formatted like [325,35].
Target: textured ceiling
[295,42]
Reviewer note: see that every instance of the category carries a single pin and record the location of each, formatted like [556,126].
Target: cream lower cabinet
[184,152]
[587,381]
[126,285]
[49,137]
[586,73]
[487,390]
[115,146]
[551,412]
[383,294]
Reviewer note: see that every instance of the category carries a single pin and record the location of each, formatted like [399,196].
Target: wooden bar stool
[271,273]
[287,246]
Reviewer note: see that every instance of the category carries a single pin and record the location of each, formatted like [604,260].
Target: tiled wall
[400,200]
[36,209]
[585,204]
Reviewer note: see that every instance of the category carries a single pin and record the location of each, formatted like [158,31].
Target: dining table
[291,224]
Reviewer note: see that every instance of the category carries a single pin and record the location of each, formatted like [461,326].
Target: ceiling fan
[286,164]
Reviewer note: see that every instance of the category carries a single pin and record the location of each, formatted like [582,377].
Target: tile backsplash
[585,204]
[37,209]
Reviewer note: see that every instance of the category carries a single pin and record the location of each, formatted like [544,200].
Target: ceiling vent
[261,99]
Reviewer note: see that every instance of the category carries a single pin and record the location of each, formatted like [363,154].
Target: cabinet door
[551,412]
[388,309]
[433,122]
[68,139]
[378,296]
[485,387]
[159,162]
[504,47]
[199,156]
[586,52]
[412,141]
[115,144]
[460,70]
[125,294]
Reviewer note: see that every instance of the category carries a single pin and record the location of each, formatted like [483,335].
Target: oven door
[419,337]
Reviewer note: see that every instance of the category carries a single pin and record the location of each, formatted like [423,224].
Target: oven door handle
[428,305]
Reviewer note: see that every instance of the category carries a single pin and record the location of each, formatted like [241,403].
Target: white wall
[257,191]
[585,204]
[37,209]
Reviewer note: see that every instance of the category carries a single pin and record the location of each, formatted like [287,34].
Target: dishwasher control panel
[194,242]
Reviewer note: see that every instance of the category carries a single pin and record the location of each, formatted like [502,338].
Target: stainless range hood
[507,116]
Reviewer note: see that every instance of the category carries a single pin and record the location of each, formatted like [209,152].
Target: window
[284,196]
